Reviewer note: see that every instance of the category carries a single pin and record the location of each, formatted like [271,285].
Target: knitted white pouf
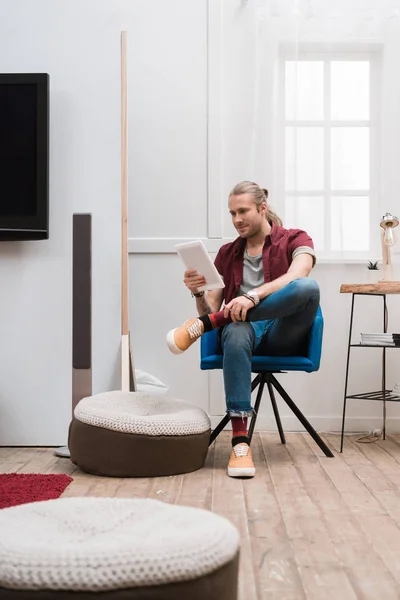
[108,544]
[138,412]
[136,434]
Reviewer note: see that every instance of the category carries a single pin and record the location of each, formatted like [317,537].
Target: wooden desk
[381,288]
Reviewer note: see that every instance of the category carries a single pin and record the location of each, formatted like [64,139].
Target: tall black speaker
[81,307]
[81,312]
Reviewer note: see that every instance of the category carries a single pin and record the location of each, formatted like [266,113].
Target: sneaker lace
[194,330]
[241,450]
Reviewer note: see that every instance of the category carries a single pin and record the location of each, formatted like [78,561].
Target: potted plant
[373,271]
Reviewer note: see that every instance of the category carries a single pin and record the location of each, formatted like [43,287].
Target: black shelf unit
[382,395]
[372,345]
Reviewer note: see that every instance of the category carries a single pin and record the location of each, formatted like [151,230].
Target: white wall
[77,43]
[192,112]
[241,105]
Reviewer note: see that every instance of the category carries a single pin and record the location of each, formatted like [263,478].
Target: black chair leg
[306,424]
[276,412]
[260,381]
[272,382]
[257,381]
[219,428]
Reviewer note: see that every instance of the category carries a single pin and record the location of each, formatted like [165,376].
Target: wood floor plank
[62,465]
[6,454]
[391,446]
[276,571]
[383,484]
[228,500]
[395,437]
[321,572]
[356,495]
[383,460]
[7,468]
[13,459]
[166,489]
[378,483]
[17,460]
[39,459]
[311,527]
[80,485]
[196,489]
[134,487]
[381,530]
[104,487]
[367,572]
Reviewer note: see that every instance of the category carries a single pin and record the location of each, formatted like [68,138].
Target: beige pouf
[117,549]
[135,434]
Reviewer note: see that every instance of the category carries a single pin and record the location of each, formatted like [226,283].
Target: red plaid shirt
[277,252]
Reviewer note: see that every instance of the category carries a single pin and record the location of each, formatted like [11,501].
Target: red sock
[218,320]
[239,426]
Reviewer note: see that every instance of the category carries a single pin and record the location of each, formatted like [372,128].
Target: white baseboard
[322,424]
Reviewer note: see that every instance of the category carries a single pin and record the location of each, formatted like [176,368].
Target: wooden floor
[311,527]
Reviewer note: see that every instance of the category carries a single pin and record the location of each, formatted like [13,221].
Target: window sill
[137,245]
[326,260]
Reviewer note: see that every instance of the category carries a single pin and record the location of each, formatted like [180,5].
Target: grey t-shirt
[253,274]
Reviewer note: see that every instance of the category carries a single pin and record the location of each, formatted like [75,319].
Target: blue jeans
[278,326]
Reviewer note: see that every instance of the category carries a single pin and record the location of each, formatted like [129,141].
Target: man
[270,304]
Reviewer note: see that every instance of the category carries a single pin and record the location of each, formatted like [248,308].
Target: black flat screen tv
[24,156]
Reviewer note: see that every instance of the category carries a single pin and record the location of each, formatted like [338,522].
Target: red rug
[21,488]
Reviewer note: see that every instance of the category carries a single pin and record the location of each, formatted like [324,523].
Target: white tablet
[195,256]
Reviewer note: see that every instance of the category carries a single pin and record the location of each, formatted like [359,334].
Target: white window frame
[307,52]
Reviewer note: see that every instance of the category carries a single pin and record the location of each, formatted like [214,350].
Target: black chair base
[268,378]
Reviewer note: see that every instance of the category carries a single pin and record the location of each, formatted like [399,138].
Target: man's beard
[252,232]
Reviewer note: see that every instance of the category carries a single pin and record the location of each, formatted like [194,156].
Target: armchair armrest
[315,340]
[209,343]
[212,359]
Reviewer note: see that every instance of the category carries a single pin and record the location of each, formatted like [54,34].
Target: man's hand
[193,280]
[238,308]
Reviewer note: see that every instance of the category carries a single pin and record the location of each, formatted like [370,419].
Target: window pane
[304,89]
[350,89]
[350,158]
[307,212]
[350,223]
[304,158]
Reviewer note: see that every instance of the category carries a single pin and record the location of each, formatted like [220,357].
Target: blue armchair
[266,367]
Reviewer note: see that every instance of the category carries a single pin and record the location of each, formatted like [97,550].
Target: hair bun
[265,192]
